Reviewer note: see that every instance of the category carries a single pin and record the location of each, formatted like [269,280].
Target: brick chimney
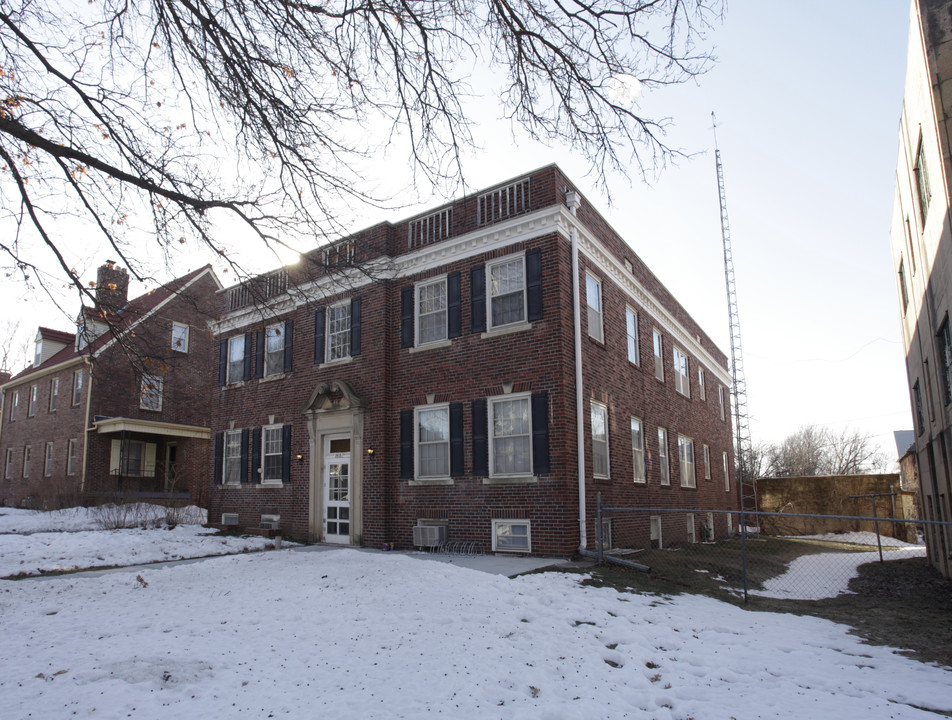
[4,376]
[112,286]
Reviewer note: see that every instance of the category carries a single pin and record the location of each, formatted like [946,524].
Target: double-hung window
[663,456]
[917,402]
[701,390]
[507,291]
[179,337]
[638,450]
[150,393]
[433,441]
[682,381]
[686,461]
[658,355]
[431,308]
[274,349]
[593,299]
[707,462]
[272,445]
[510,436]
[13,405]
[631,323]
[31,407]
[232,457]
[71,456]
[236,359]
[922,181]
[945,357]
[8,465]
[338,331]
[54,393]
[720,400]
[903,291]
[27,452]
[48,460]
[600,468]
[77,387]
[727,473]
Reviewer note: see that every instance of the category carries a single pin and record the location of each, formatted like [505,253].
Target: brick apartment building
[921,241]
[121,406]
[441,370]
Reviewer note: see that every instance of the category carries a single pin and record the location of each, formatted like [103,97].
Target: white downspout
[572,200]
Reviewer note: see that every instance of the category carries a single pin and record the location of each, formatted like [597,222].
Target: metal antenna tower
[748,488]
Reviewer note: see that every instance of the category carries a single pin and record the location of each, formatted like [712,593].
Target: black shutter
[243,472]
[534,284]
[259,354]
[319,336]
[249,339]
[286,453]
[454,304]
[254,472]
[477,297]
[406,317]
[288,344]
[456,439]
[540,433]
[355,326]
[406,444]
[219,456]
[223,362]
[480,439]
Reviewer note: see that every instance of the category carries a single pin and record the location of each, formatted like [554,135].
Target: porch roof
[120,424]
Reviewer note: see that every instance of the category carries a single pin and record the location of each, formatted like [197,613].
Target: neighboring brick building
[424,372]
[921,240]
[120,407]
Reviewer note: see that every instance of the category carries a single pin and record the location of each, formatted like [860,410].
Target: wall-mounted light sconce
[370,453]
[300,458]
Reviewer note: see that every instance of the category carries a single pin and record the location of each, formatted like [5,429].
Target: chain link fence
[748,555]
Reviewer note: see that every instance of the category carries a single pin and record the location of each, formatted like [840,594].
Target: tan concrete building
[921,239]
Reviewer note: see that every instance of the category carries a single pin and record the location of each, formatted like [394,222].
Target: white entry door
[337,482]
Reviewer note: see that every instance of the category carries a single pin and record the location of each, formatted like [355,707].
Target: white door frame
[341,511]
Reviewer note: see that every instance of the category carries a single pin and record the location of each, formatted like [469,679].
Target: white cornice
[42,372]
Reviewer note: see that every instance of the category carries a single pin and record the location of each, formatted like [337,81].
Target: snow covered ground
[360,634]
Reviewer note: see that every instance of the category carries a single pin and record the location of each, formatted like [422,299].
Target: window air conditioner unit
[429,536]
[270,522]
[229,518]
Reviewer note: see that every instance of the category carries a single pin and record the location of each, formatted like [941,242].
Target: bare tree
[814,451]
[163,118]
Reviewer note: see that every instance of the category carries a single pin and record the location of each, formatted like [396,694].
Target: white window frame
[655,528]
[440,314]
[657,342]
[78,380]
[720,399]
[231,442]
[519,259]
[48,460]
[442,413]
[686,461]
[682,380]
[336,336]
[27,456]
[274,340]
[691,528]
[638,451]
[71,456]
[593,301]
[502,531]
[180,337]
[601,457]
[267,435]
[707,462]
[150,393]
[493,402]
[631,328]
[664,463]
[31,406]
[727,472]
[702,391]
[13,405]
[8,465]
[236,359]
[54,393]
